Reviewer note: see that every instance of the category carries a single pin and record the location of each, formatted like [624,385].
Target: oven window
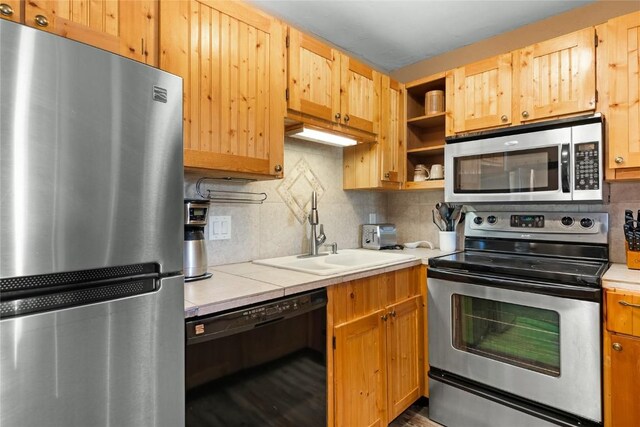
[508,172]
[523,336]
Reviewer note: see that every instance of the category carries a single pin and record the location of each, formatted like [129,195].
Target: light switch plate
[219,227]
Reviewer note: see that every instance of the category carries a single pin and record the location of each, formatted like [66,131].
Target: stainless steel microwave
[542,162]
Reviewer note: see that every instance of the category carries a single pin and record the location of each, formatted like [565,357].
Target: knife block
[633,258]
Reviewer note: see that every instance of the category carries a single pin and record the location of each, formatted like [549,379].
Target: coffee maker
[194,258]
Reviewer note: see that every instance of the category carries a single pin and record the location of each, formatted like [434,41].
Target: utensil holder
[434,102]
[633,257]
[448,240]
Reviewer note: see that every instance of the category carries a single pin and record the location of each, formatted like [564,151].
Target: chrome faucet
[316,240]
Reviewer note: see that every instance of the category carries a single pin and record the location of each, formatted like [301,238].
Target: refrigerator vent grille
[46,280]
[69,299]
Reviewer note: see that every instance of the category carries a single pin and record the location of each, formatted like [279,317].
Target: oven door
[526,167]
[540,347]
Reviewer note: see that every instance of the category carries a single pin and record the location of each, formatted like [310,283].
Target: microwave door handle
[565,163]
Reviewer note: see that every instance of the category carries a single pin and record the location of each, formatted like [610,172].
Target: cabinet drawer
[623,312]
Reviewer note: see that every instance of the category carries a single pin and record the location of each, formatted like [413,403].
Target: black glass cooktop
[551,269]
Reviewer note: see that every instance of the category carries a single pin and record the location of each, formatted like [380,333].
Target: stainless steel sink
[345,260]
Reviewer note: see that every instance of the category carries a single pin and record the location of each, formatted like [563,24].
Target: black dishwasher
[259,365]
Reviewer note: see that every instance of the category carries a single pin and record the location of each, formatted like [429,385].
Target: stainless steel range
[514,321]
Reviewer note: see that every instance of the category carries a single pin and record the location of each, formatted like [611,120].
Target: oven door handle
[565,164]
[515,284]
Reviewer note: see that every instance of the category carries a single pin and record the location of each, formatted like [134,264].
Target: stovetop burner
[563,271]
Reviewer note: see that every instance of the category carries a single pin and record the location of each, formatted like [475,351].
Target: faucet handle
[321,237]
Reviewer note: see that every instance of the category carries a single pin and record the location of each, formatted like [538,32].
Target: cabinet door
[622,43]
[391,136]
[557,76]
[11,10]
[623,312]
[231,58]
[625,381]
[128,28]
[482,96]
[403,355]
[359,366]
[360,89]
[314,77]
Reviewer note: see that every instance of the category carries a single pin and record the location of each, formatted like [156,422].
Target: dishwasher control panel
[219,325]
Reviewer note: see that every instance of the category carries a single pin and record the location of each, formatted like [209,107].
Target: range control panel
[569,226]
[527,221]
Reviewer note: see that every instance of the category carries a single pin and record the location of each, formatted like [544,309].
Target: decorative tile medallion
[296,190]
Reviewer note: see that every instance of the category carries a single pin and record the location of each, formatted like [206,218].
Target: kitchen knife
[628,216]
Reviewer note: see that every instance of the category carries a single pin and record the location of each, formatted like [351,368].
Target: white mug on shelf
[436,172]
[421,173]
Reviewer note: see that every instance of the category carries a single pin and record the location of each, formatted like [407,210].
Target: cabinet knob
[41,20]
[619,160]
[278,168]
[5,9]
[393,313]
[346,118]
[387,175]
[504,118]
[617,346]
[384,317]
[525,114]
[338,116]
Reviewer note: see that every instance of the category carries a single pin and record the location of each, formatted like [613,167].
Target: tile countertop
[620,277]
[237,285]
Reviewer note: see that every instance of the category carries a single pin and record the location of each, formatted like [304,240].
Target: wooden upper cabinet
[621,43]
[11,10]
[557,76]
[359,95]
[482,94]
[325,84]
[128,28]
[314,77]
[380,164]
[391,137]
[231,58]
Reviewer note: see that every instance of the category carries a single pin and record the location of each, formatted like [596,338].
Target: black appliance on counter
[514,321]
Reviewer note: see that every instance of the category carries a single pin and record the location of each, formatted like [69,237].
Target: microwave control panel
[587,166]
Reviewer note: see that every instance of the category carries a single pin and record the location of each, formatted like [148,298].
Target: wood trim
[242,12]
[424,273]
[314,45]
[360,68]
[317,110]
[330,356]
[208,160]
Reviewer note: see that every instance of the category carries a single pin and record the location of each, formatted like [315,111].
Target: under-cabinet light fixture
[315,135]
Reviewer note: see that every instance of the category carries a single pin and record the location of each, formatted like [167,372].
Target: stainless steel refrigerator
[91,199]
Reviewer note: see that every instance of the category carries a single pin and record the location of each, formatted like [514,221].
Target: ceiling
[392,34]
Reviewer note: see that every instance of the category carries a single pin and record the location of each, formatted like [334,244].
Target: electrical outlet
[219,227]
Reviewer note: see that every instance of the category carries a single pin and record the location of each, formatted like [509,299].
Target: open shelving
[425,133]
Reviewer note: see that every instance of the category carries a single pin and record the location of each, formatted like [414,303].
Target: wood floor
[289,392]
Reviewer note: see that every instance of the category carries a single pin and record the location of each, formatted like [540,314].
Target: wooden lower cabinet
[376,365]
[403,347]
[360,359]
[622,380]
[621,354]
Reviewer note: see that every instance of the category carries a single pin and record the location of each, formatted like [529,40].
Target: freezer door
[117,363]
[91,168]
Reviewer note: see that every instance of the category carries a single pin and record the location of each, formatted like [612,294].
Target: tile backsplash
[273,228]
[411,212]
